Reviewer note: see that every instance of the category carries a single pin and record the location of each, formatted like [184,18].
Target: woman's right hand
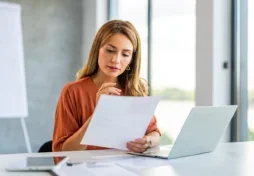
[108,89]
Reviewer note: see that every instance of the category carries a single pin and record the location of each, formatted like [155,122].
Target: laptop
[200,133]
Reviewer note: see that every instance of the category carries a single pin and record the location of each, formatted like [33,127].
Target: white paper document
[119,119]
[93,169]
[138,163]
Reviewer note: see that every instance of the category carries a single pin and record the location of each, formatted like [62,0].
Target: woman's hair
[129,79]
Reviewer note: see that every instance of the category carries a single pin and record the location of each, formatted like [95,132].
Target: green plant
[251,135]
[251,96]
[174,94]
[165,139]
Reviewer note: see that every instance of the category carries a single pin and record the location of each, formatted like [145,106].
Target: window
[251,69]
[135,12]
[173,63]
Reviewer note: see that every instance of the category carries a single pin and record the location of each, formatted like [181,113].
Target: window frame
[239,70]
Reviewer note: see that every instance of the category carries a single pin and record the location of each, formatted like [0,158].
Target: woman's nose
[116,58]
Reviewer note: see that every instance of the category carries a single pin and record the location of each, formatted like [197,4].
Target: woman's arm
[73,142]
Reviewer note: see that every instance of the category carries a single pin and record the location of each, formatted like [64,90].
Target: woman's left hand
[139,145]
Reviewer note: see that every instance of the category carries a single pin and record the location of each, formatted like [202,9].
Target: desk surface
[233,159]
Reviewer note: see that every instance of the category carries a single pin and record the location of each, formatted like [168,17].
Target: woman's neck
[100,79]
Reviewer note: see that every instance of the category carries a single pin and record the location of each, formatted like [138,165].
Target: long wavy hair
[130,79]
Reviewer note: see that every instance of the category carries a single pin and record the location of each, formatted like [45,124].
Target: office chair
[46,147]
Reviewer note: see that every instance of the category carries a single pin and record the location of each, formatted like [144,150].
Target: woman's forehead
[120,41]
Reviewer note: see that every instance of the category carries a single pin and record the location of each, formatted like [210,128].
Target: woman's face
[115,56]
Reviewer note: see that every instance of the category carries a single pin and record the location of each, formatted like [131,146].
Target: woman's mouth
[114,68]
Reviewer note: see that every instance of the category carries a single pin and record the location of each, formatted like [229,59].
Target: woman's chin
[112,74]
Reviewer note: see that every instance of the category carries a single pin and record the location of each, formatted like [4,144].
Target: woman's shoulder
[77,85]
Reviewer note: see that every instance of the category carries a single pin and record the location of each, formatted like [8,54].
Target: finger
[136,145]
[141,141]
[113,91]
[146,146]
[110,91]
[107,85]
[119,90]
[134,149]
[107,90]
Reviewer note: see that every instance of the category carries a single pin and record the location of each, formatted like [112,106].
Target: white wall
[94,16]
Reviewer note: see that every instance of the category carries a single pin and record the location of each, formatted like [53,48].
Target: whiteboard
[13,98]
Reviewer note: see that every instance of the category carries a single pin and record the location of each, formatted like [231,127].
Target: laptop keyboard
[163,151]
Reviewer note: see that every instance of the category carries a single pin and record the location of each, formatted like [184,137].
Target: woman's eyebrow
[112,46]
[127,50]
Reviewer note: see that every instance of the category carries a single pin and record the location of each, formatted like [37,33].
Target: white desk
[231,159]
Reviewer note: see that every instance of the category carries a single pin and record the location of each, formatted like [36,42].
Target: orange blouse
[76,104]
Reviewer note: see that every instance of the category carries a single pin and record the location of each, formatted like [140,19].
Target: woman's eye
[110,51]
[125,55]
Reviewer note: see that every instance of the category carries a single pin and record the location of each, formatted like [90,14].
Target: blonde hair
[129,79]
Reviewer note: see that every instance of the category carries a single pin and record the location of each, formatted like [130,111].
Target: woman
[112,68]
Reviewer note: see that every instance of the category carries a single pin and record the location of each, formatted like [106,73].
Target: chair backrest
[46,147]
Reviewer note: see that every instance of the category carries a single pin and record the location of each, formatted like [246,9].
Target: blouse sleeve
[153,126]
[66,119]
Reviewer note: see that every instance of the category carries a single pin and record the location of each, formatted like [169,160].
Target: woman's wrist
[149,141]
[153,139]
